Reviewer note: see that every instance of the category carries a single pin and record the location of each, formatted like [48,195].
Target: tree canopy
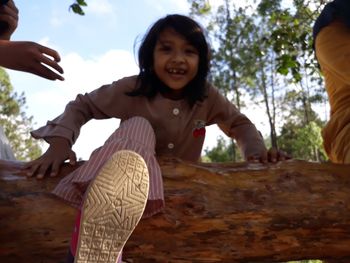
[263,56]
[15,122]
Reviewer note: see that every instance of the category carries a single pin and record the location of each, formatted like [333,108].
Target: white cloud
[99,7]
[163,6]
[45,41]
[87,74]
[59,17]
[56,21]
[182,5]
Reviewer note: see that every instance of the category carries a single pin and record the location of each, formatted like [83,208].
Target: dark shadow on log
[214,213]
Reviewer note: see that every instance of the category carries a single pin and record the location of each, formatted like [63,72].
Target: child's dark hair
[148,83]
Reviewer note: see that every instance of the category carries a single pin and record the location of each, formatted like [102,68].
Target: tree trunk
[214,213]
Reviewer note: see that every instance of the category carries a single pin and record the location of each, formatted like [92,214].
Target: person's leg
[347,157]
[340,150]
[346,142]
[113,206]
[333,54]
[136,135]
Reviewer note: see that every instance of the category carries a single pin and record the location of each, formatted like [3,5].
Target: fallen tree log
[214,213]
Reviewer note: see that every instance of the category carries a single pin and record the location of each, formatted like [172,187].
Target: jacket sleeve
[235,124]
[103,103]
[68,124]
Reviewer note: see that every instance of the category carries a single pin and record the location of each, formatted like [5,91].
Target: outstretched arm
[30,57]
[23,55]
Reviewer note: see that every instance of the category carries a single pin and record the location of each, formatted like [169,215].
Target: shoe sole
[114,204]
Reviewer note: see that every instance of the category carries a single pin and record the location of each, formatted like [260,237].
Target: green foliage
[77,7]
[223,152]
[15,122]
[200,7]
[290,35]
[302,141]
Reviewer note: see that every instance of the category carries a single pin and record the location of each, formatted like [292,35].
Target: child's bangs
[192,33]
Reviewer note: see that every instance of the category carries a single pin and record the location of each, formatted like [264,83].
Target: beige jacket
[178,128]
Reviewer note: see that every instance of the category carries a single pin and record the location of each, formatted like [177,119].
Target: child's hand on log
[51,161]
[272,155]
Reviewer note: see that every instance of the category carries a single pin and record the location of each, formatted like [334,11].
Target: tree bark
[214,213]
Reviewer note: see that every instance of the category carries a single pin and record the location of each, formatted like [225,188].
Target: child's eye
[191,51]
[165,48]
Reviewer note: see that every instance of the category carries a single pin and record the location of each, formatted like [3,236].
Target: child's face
[175,60]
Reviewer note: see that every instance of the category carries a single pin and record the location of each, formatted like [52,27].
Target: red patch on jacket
[199,129]
[197,132]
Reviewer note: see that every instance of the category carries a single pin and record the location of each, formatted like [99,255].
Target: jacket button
[176,111]
[171,146]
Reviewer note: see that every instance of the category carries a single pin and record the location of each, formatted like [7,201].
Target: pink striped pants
[135,134]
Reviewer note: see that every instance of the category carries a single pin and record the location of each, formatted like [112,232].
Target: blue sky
[95,49]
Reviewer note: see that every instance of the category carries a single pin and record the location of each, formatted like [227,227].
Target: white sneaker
[113,206]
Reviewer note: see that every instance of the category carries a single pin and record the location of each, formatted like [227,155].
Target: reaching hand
[8,20]
[30,57]
[51,161]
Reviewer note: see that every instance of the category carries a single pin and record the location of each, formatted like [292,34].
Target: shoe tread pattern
[113,207]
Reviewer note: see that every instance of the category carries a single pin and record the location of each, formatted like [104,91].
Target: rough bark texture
[214,213]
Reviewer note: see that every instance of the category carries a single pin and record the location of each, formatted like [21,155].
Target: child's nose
[178,56]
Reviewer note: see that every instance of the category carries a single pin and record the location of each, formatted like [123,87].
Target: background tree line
[15,122]
[263,55]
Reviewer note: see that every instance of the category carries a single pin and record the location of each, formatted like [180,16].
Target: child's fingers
[44,167]
[55,168]
[286,156]
[262,158]
[252,159]
[72,158]
[31,169]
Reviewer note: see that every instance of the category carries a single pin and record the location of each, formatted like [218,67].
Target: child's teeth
[176,71]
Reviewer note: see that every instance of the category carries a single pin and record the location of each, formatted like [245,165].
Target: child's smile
[175,74]
[175,61]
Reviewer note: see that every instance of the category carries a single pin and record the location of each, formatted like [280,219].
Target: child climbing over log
[164,111]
